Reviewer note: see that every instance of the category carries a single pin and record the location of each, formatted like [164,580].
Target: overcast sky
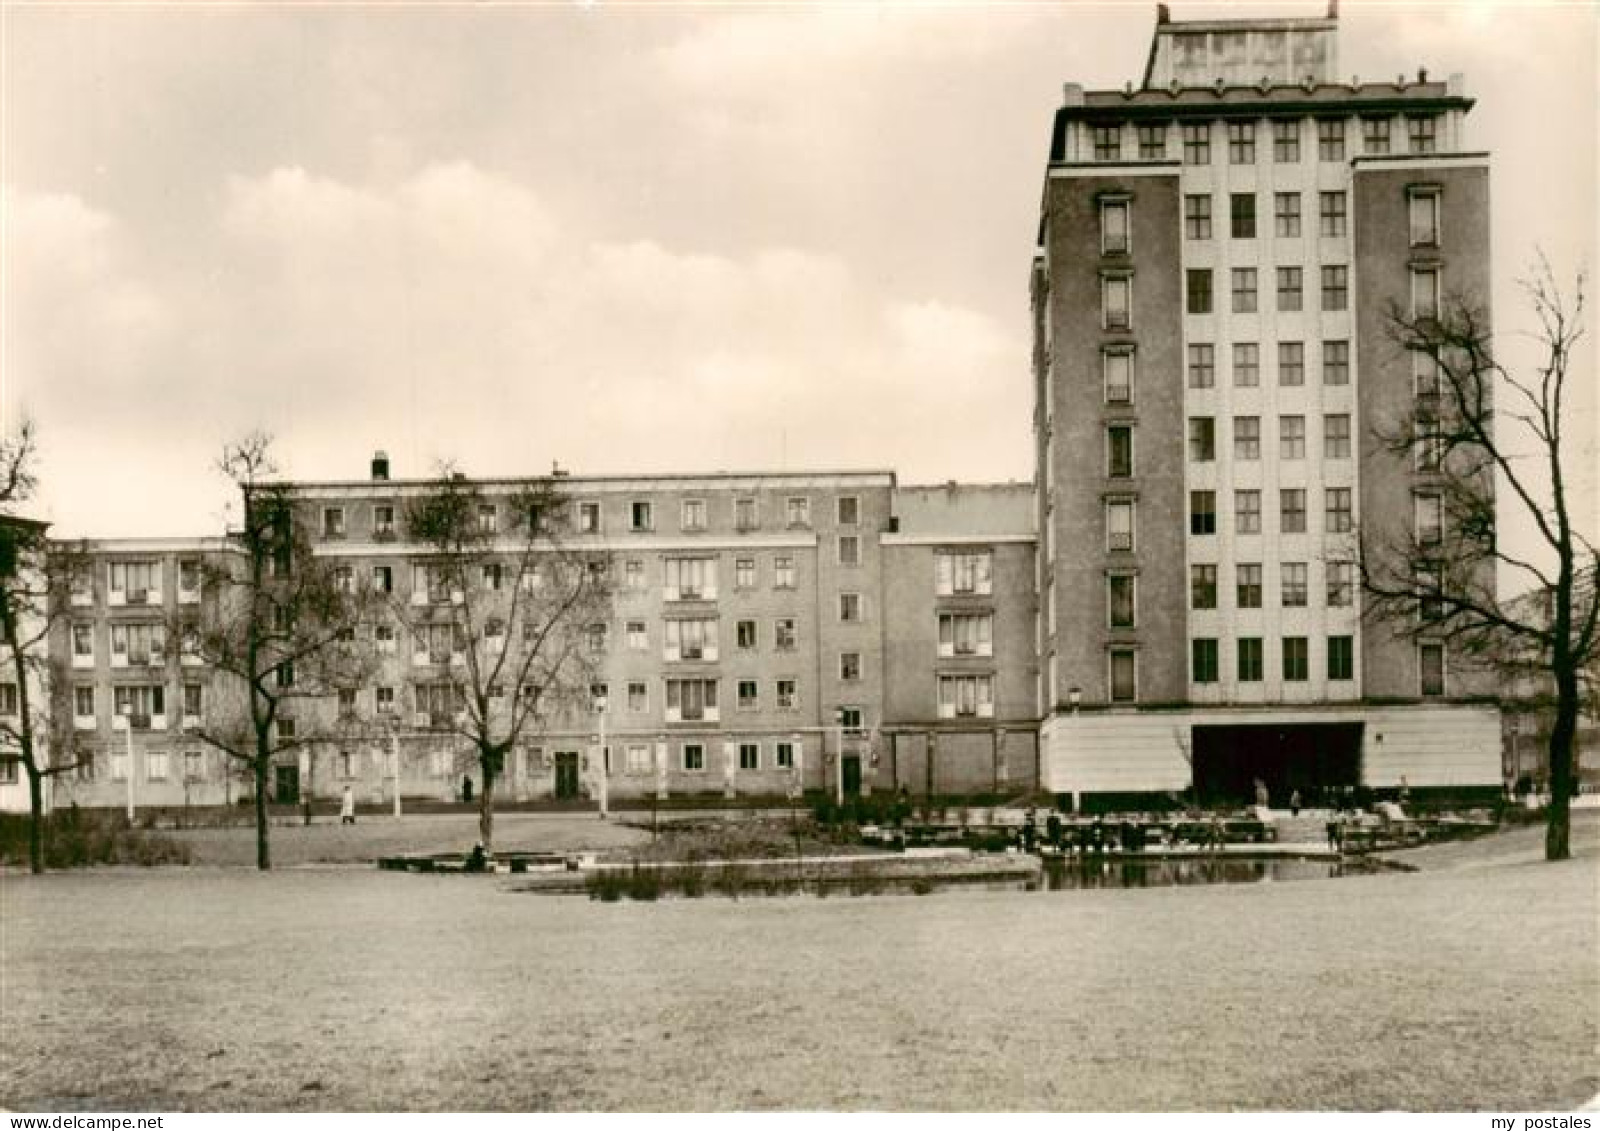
[631,239]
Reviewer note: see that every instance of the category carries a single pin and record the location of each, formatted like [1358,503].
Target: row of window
[1241,137]
[1119,365]
[132,645]
[1250,663]
[1333,217]
[144,704]
[1199,298]
[1291,437]
[1294,588]
[138,582]
[1338,517]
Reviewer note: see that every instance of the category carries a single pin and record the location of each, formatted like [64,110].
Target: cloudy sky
[627,238]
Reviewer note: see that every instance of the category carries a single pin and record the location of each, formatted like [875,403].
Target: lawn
[1465,987]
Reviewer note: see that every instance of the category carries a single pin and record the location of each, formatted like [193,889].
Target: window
[783,755]
[749,756]
[1242,215]
[1286,214]
[188,579]
[783,572]
[1197,290]
[1291,288]
[691,700]
[1246,364]
[138,644]
[493,576]
[383,700]
[694,639]
[785,636]
[1339,517]
[1120,600]
[1114,227]
[849,510]
[1296,659]
[744,573]
[694,515]
[638,636]
[1247,586]
[1124,676]
[1241,143]
[1202,586]
[1428,445]
[1424,133]
[1341,584]
[1107,142]
[1336,436]
[744,515]
[145,703]
[1247,512]
[1116,302]
[333,522]
[1336,362]
[966,696]
[1250,665]
[960,573]
[1429,580]
[749,695]
[849,666]
[1335,288]
[1424,292]
[1119,525]
[744,635]
[797,511]
[1292,511]
[1203,660]
[1119,451]
[1244,290]
[1202,512]
[1330,139]
[638,696]
[694,756]
[691,579]
[1333,216]
[134,583]
[639,759]
[1197,143]
[588,518]
[1429,525]
[83,702]
[488,518]
[1292,437]
[849,550]
[787,694]
[1286,142]
[850,608]
[1197,216]
[1430,663]
[633,574]
[641,516]
[1202,365]
[155,765]
[1291,363]
[8,699]
[383,579]
[1247,437]
[1152,142]
[1341,658]
[1375,135]
[1202,439]
[1118,368]
[1294,584]
[1423,210]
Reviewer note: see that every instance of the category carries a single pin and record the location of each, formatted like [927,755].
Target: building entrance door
[1314,760]
[286,785]
[566,775]
[852,775]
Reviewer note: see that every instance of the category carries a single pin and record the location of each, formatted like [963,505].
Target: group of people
[1100,835]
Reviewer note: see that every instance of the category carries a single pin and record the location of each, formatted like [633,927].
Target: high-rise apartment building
[1222,251]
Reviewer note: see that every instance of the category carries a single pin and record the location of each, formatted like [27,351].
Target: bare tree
[1437,581]
[31,570]
[277,627]
[515,623]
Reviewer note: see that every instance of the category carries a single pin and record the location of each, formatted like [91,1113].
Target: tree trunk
[263,853]
[486,806]
[35,821]
[1558,827]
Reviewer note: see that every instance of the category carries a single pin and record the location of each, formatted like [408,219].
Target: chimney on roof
[557,471]
[1333,9]
[380,466]
[1163,14]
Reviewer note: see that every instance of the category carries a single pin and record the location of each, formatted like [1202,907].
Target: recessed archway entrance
[1312,759]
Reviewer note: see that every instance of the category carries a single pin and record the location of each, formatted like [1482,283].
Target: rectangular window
[1336,436]
[744,515]
[1202,439]
[488,518]
[1246,438]
[1124,676]
[1197,290]
[383,700]
[1120,600]
[1241,143]
[1335,288]
[797,512]
[694,515]
[691,579]
[1244,290]
[1296,659]
[1424,133]
[849,666]
[1203,660]
[1291,363]
[1332,207]
[1202,365]
[144,704]
[1292,437]
[850,608]
[1375,135]
[1116,302]
[1294,585]
[788,695]
[134,583]
[849,550]
[638,696]
[691,700]
[1427,445]
[962,573]
[744,634]
[640,759]
[1336,362]
[785,635]
[1247,511]
[1429,521]
[1242,215]
[1424,292]
[749,756]
[1202,586]
[1330,139]
[1119,525]
[1118,368]
[749,695]
[333,522]
[1107,142]
[1247,586]
[783,755]
[1292,510]
[641,516]
[383,521]
[1119,451]
[694,639]
[744,573]
[966,696]
[1246,364]
[1152,143]
[1341,657]
[1202,512]
[1423,211]
[1340,520]
[1286,141]
[1114,227]
[1430,662]
[694,756]
[1291,288]
[1197,216]
[1250,665]
[783,572]
[1286,214]
[83,702]
[638,636]
[848,510]
[1197,143]
[1341,584]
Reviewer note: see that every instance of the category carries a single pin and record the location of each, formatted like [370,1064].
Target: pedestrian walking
[347,807]
[1294,804]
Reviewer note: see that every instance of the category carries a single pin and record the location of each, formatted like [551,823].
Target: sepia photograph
[832,557]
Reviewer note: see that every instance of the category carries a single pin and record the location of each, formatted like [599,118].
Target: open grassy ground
[1459,987]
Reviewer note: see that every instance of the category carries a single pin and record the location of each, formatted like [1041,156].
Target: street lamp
[838,769]
[127,734]
[600,705]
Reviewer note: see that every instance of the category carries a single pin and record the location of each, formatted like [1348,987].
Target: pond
[1078,873]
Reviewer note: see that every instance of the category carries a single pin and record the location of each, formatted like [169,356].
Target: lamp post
[603,789]
[838,756]
[127,735]
[394,755]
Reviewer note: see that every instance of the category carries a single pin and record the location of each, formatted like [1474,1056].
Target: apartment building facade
[1222,250]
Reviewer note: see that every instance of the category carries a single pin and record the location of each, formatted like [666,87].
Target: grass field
[1471,985]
